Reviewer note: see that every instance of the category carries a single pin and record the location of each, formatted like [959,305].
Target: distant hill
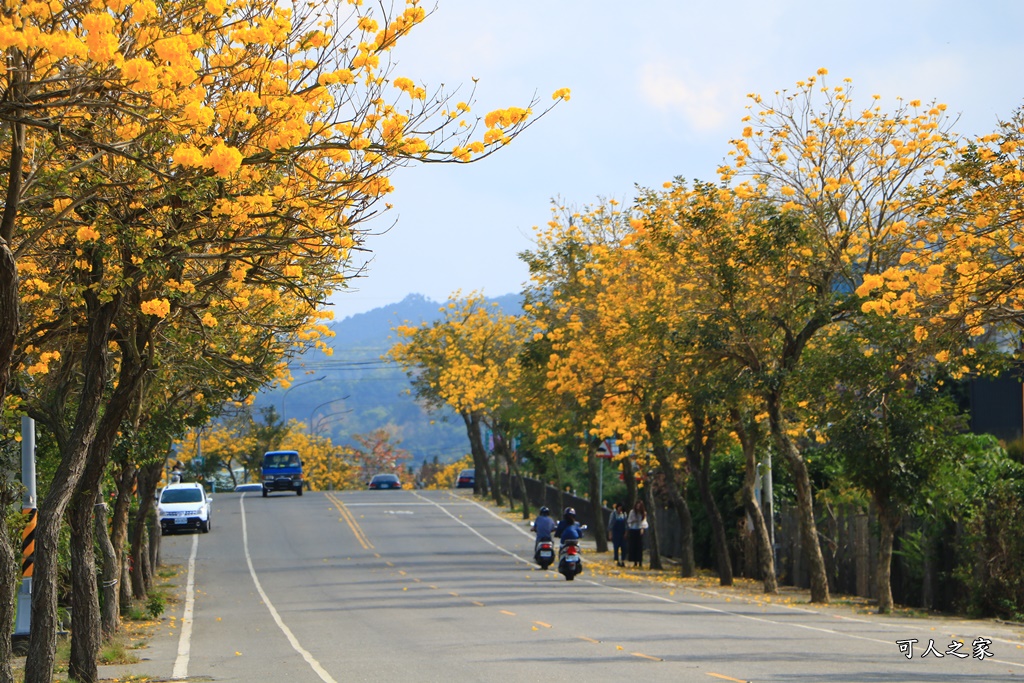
[377,392]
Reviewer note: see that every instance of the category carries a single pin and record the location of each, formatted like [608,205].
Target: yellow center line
[643,656]
[541,623]
[352,523]
[505,611]
[727,678]
[453,594]
[478,603]
[589,640]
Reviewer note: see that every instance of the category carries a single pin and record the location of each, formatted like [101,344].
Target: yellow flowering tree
[824,194]
[283,127]
[467,360]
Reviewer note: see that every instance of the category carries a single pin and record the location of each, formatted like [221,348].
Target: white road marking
[392,504]
[482,537]
[185,639]
[691,604]
[315,665]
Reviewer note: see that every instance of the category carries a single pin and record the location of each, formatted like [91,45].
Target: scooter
[570,563]
[544,552]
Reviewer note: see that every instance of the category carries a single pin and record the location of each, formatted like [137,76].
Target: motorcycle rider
[568,528]
[544,525]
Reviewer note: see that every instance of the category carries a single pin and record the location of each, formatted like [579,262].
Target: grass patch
[116,651]
[138,613]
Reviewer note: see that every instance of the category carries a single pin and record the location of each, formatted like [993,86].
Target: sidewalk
[751,591]
[153,642]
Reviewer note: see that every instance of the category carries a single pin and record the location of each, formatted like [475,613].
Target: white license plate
[181,520]
[545,553]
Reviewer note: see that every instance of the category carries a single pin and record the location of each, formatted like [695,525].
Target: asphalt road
[431,586]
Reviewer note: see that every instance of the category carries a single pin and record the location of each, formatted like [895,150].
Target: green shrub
[156,603]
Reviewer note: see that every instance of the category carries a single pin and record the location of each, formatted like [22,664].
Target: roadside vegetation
[823,304]
[184,186]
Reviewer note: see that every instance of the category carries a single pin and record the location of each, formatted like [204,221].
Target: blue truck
[282,471]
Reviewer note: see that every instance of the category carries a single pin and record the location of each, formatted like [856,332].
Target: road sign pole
[23,618]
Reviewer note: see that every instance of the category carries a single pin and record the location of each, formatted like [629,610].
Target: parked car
[466,479]
[385,481]
[182,507]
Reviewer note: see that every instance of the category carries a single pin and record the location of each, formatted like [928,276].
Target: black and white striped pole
[22,620]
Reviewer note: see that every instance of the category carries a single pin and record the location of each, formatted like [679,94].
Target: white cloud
[704,105]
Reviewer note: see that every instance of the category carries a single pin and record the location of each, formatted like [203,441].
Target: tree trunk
[43,640]
[804,499]
[699,461]
[887,523]
[110,610]
[594,482]
[652,528]
[86,631]
[119,535]
[85,612]
[687,562]
[10,567]
[928,580]
[517,476]
[762,540]
[719,539]
[125,594]
[148,477]
[476,448]
[9,321]
[496,480]
[9,325]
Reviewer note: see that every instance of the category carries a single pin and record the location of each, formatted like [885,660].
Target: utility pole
[23,619]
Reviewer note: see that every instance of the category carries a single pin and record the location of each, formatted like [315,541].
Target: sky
[658,89]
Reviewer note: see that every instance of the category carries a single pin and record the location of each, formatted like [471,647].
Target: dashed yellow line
[347,517]
[505,611]
[541,623]
[727,678]
[589,640]
[478,603]
[643,656]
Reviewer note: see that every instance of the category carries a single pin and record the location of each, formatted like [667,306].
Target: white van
[184,507]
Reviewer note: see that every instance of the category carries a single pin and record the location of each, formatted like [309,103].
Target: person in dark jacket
[568,528]
[617,534]
[544,524]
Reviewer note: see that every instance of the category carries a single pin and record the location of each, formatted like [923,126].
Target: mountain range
[356,391]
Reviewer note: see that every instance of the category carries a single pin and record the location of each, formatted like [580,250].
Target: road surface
[432,586]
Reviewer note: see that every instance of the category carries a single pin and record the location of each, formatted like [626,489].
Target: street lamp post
[284,414]
[324,419]
[325,403]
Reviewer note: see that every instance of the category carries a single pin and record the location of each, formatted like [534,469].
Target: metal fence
[921,576]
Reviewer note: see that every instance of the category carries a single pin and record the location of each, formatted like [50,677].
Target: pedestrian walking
[636,524]
[617,534]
